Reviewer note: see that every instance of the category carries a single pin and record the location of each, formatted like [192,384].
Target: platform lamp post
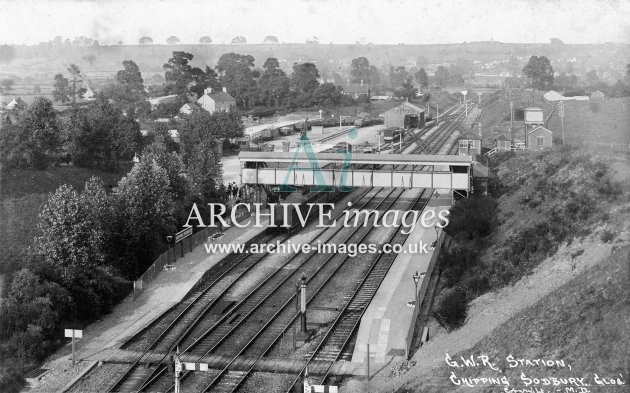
[416,279]
[380,133]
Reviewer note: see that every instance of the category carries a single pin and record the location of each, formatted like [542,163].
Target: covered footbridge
[451,172]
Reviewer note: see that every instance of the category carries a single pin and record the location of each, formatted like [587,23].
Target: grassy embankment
[537,274]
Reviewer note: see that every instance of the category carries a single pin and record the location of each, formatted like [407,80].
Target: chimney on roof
[207,90]
[225,89]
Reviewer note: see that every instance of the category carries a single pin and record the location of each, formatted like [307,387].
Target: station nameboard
[77,333]
[183,234]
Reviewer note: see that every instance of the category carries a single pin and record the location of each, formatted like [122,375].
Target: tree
[422,78]
[173,164]
[239,40]
[178,73]
[441,76]
[100,135]
[237,74]
[556,42]
[70,243]
[328,95]
[74,90]
[304,78]
[205,40]
[398,76]
[204,79]
[172,40]
[270,39]
[406,90]
[145,40]
[35,140]
[37,89]
[200,148]
[61,89]
[128,87]
[273,84]
[143,204]
[540,71]
[360,70]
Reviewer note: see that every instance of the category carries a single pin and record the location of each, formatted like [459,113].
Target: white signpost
[73,333]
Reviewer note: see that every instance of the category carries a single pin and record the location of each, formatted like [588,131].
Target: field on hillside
[23,193]
[589,122]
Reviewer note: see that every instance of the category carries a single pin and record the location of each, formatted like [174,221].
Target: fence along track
[199,295]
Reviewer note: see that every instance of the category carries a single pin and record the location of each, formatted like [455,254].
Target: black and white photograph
[309,196]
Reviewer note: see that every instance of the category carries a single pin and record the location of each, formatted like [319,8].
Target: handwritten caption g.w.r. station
[525,383]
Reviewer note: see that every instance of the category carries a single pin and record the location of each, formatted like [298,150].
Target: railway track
[335,343]
[187,317]
[229,380]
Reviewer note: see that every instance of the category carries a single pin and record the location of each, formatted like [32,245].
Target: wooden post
[73,347]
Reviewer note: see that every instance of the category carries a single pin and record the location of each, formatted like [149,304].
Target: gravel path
[61,373]
[99,379]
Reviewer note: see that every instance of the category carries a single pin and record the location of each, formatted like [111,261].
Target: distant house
[598,96]
[405,115]
[502,143]
[469,143]
[89,95]
[553,96]
[539,138]
[216,101]
[16,104]
[189,108]
[158,100]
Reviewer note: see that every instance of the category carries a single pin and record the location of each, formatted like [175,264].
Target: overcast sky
[337,21]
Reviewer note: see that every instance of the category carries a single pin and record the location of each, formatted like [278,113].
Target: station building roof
[359,158]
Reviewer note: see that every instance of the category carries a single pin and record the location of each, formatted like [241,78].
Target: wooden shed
[502,143]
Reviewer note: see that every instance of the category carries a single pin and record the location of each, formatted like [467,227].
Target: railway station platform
[385,326]
[102,339]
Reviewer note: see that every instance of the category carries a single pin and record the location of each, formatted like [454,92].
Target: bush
[473,217]
[452,309]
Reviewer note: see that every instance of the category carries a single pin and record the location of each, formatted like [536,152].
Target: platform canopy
[357,158]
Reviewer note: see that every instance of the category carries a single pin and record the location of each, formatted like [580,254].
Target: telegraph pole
[561,113]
